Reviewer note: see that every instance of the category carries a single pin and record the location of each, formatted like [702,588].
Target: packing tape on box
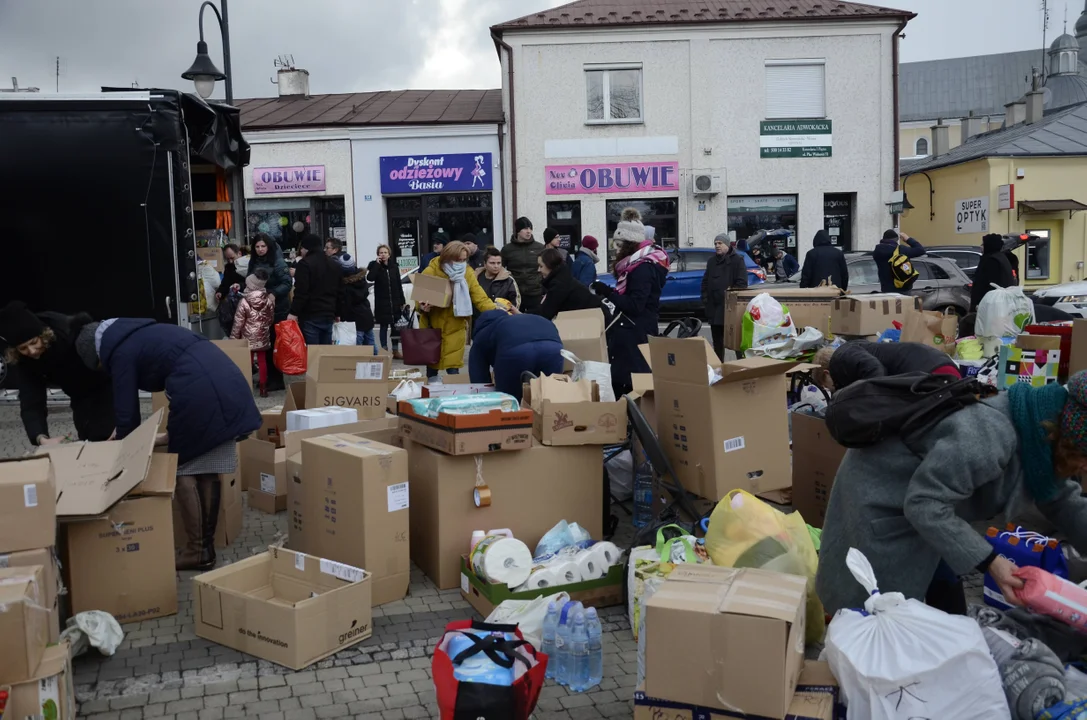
[499,559]
[481,495]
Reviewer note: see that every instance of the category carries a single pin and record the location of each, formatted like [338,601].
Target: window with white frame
[921,147]
[613,93]
[795,89]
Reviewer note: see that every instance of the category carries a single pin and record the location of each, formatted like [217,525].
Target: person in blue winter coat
[583,262]
[513,344]
[211,408]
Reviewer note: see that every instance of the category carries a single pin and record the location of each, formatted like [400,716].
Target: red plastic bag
[289,354]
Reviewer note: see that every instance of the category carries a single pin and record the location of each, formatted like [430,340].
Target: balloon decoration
[283,221]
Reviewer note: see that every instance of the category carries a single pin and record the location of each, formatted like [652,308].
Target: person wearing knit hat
[520,256]
[42,351]
[724,272]
[640,271]
[584,262]
[1014,453]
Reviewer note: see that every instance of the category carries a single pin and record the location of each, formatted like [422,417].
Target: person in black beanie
[40,350]
[520,257]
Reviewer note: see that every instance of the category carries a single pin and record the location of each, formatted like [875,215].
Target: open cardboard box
[582,333]
[871,314]
[485,597]
[49,693]
[808,307]
[816,457]
[468,434]
[52,587]
[24,622]
[570,413]
[347,376]
[431,289]
[28,505]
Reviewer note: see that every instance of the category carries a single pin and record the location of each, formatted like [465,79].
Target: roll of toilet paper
[540,577]
[499,559]
[566,572]
[591,564]
[610,552]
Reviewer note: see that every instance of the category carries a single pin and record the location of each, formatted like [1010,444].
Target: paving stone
[312,688]
[303,714]
[275,693]
[331,711]
[314,701]
[190,705]
[401,701]
[361,707]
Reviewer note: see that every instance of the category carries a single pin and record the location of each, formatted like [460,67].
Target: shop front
[773,214]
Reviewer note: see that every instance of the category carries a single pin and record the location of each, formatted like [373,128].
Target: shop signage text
[972,216]
[436,173]
[1005,197]
[795,139]
[613,178]
[296,179]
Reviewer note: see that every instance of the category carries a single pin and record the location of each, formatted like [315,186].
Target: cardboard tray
[485,597]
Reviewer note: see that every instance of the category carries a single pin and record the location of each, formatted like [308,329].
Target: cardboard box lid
[346,363]
[54,661]
[292,441]
[353,445]
[647,354]
[93,477]
[808,293]
[745,591]
[20,584]
[580,324]
[24,470]
[161,476]
[689,361]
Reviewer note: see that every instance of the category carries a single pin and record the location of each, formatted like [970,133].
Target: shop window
[1038,255]
[795,89]
[614,93]
[920,148]
[662,214]
[773,214]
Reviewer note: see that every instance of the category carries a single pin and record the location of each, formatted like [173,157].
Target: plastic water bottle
[596,648]
[579,654]
[562,642]
[547,643]
[643,495]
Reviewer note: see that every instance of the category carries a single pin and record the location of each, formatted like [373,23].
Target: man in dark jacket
[513,344]
[354,303]
[316,291]
[892,240]
[519,256]
[785,265]
[437,244]
[496,280]
[862,360]
[994,268]
[726,271]
[824,262]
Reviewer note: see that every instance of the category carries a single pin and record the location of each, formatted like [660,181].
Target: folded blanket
[1032,676]
[1066,643]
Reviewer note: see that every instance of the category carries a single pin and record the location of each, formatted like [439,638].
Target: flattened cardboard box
[870,314]
[288,608]
[28,504]
[51,588]
[24,622]
[582,332]
[239,354]
[50,693]
[468,434]
[816,457]
[570,413]
[354,509]
[431,289]
[808,307]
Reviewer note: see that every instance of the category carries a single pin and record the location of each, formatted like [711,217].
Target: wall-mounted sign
[436,173]
[296,179]
[612,178]
[972,215]
[1005,197]
[795,139]
[762,204]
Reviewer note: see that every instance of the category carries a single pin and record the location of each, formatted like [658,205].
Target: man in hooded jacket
[905,245]
[824,262]
[519,256]
[994,268]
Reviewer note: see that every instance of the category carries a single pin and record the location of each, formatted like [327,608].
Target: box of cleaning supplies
[485,597]
[474,434]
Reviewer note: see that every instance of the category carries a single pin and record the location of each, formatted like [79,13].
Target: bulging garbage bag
[96,629]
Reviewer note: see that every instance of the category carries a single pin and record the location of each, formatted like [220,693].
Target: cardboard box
[273,425]
[809,307]
[431,289]
[468,434]
[51,588]
[28,506]
[263,468]
[24,622]
[354,509]
[732,434]
[530,491]
[213,256]
[570,413]
[816,457]
[49,693]
[236,350]
[870,314]
[816,698]
[347,376]
[284,607]
[1078,358]
[485,597]
[744,629]
[582,333]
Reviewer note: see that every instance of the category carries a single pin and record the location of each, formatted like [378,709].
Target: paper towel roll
[610,552]
[499,559]
[541,577]
[566,573]
[591,564]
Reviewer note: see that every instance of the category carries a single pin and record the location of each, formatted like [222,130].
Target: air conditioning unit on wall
[706,182]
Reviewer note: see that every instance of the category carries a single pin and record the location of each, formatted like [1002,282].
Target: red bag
[289,354]
[481,701]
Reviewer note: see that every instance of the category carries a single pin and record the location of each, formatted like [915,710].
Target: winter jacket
[211,402]
[563,293]
[520,259]
[253,319]
[354,302]
[279,278]
[994,268]
[59,366]
[968,469]
[824,262]
[425,261]
[513,344]
[641,302]
[883,254]
[723,273]
[316,288]
[234,274]
[583,267]
[785,268]
[454,329]
[388,291]
[503,286]
[862,360]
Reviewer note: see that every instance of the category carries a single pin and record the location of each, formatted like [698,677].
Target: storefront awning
[1039,207]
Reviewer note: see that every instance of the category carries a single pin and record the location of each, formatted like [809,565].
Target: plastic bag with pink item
[1045,593]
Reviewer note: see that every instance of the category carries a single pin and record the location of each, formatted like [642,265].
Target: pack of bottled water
[573,643]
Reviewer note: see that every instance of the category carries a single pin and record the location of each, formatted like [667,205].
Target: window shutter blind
[795,91]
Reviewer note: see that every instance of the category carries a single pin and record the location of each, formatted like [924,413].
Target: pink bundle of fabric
[1045,593]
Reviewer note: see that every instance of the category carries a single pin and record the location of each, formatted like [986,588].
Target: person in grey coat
[910,514]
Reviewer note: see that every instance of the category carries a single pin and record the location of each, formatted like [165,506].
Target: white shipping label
[341,571]
[368,370]
[736,443]
[30,496]
[268,483]
[464,586]
[300,562]
[398,497]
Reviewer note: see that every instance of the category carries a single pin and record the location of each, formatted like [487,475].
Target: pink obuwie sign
[296,179]
[611,178]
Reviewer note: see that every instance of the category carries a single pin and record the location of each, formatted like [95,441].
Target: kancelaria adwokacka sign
[795,139]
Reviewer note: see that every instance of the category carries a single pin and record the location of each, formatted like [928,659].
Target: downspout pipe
[512,124]
[894,62]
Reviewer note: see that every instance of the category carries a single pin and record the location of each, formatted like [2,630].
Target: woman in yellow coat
[452,265]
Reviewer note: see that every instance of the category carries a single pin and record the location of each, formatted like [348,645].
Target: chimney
[1015,113]
[971,126]
[941,138]
[293,81]
[1035,108]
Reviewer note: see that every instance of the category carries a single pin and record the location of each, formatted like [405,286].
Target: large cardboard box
[213,256]
[239,354]
[347,376]
[431,289]
[732,434]
[263,468]
[51,588]
[582,333]
[530,490]
[744,630]
[284,607]
[24,622]
[870,314]
[50,693]
[816,457]
[354,509]
[570,413]
[468,434]
[28,506]
[808,307]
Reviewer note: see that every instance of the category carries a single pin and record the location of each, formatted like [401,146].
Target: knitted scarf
[1030,407]
[646,252]
[462,296]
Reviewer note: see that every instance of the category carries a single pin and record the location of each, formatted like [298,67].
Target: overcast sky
[359,45]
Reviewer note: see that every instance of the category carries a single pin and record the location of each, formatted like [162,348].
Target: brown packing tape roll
[482,496]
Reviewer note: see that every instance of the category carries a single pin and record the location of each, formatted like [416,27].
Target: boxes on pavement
[816,457]
[354,509]
[263,468]
[468,434]
[743,628]
[51,588]
[728,434]
[24,622]
[570,413]
[870,314]
[49,693]
[431,289]
[808,307]
[347,376]
[28,507]
[530,491]
[485,597]
[582,333]
[287,608]
[236,350]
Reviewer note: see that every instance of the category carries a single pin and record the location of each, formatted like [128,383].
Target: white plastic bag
[210,277]
[766,323]
[93,628]
[527,614]
[598,372]
[1003,312]
[765,310]
[790,347]
[903,659]
[343,333]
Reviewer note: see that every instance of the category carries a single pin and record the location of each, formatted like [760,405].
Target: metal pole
[237,186]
